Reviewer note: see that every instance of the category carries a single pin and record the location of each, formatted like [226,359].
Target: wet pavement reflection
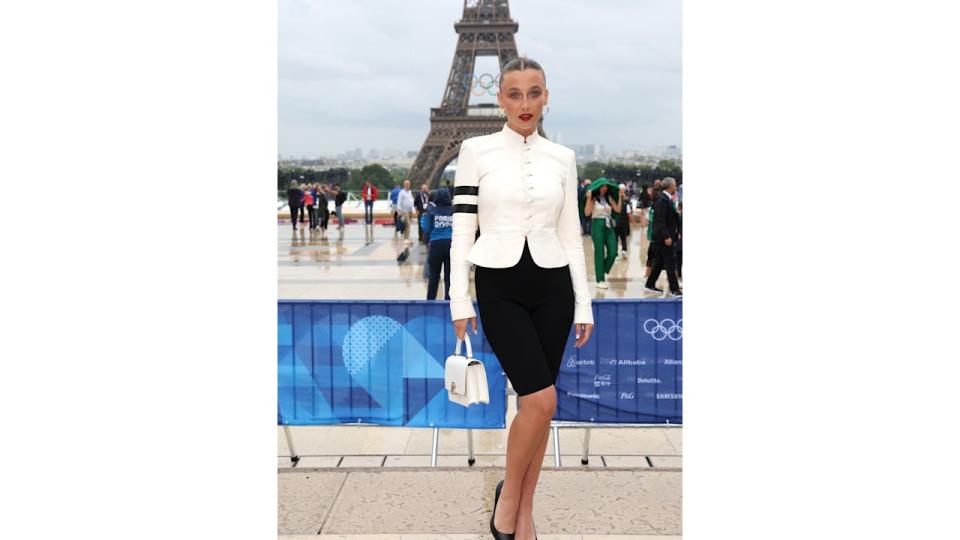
[360,262]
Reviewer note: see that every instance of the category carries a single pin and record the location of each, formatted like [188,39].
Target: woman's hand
[583,331]
[460,326]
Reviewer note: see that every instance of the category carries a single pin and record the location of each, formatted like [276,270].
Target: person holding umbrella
[600,206]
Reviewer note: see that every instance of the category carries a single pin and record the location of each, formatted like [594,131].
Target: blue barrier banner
[377,362]
[631,369]
[382,362]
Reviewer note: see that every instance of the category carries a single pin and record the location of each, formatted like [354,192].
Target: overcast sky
[365,73]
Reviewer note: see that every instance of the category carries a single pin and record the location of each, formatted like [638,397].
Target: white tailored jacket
[515,188]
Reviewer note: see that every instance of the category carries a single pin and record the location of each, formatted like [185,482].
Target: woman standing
[309,196]
[623,219]
[531,277]
[601,205]
[323,208]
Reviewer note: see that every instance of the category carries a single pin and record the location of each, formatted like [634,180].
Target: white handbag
[464,377]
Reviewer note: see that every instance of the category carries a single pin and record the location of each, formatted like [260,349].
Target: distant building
[587,151]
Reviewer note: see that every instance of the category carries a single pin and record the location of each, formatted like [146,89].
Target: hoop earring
[546,110]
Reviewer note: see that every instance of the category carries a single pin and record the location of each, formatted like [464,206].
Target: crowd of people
[313,200]
[606,212]
[607,209]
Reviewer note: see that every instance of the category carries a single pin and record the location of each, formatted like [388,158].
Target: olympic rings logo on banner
[661,330]
[480,85]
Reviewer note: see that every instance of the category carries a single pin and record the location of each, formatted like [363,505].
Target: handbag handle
[456,350]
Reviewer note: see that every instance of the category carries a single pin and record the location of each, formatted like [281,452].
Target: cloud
[365,73]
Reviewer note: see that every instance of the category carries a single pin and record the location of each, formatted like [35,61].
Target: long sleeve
[466,187]
[568,230]
[426,223]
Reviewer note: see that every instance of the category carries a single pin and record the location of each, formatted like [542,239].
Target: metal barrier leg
[293,453]
[436,441]
[470,459]
[556,446]
[586,448]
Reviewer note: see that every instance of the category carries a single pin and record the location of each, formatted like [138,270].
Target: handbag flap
[455,374]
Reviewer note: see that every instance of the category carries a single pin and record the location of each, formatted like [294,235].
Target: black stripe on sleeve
[465,208]
[466,190]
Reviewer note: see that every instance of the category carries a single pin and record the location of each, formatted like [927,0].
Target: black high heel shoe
[497,534]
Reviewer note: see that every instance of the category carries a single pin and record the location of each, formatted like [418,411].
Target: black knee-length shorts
[527,315]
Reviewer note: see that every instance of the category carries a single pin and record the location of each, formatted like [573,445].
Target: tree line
[385,179]
[625,173]
[349,179]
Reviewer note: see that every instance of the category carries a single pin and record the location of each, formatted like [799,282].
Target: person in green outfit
[604,199]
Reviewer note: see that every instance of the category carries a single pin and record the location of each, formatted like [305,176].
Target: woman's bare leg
[525,438]
[525,529]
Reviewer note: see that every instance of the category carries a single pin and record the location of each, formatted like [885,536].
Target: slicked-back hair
[521,63]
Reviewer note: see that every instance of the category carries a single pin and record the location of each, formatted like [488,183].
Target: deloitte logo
[648,380]
[661,330]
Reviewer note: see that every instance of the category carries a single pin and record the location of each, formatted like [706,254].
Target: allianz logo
[573,362]
[672,362]
[648,380]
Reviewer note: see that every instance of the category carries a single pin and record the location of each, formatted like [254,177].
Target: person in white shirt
[602,203]
[520,190]
[405,208]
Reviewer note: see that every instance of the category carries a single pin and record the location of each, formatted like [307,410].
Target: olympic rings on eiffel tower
[479,85]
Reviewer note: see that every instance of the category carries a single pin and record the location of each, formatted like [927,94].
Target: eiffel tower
[486,29]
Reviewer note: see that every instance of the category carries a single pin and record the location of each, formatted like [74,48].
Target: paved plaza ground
[376,483]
